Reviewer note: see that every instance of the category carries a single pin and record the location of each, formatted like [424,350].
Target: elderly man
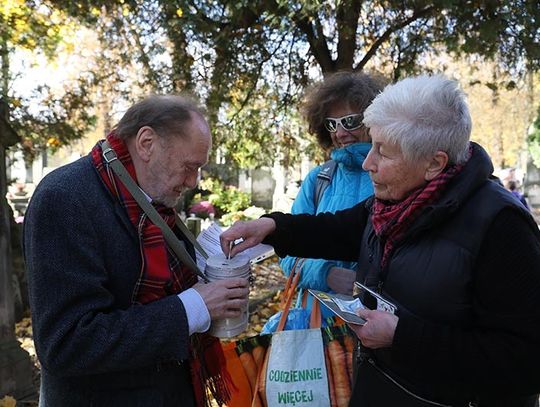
[453,257]
[118,317]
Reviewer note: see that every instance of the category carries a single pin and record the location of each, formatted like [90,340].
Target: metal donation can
[218,267]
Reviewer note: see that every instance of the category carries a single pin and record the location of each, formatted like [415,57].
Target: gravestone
[532,184]
[15,364]
[262,188]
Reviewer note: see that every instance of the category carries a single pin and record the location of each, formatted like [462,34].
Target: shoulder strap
[324,177]
[187,233]
[176,245]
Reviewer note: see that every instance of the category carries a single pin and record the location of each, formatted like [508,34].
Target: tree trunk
[15,364]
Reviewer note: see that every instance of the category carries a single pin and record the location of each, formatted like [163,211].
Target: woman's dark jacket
[466,280]
[82,259]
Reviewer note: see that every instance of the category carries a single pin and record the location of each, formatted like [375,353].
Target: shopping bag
[245,358]
[339,345]
[241,392]
[299,316]
[308,367]
[296,371]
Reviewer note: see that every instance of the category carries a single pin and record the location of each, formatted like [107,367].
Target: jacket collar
[475,173]
[352,156]
[119,210]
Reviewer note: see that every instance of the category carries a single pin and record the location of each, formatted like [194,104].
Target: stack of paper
[344,306]
[209,240]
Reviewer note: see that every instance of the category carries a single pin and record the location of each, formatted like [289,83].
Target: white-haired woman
[451,249]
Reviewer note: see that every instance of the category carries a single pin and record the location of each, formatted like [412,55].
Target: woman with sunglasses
[334,110]
[449,261]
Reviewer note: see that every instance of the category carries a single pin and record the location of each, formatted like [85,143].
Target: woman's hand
[378,331]
[252,233]
[341,280]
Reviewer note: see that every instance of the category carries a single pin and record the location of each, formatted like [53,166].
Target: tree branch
[145,60]
[317,42]
[384,37]
[347,16]
[258,75]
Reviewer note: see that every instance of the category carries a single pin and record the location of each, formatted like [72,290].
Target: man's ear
[436,165]
[145,142]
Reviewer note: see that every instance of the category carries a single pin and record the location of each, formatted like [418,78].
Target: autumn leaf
[8,401]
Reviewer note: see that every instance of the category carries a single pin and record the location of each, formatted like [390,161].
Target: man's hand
[253,233]
[341,280]
[224,298]
[378,332]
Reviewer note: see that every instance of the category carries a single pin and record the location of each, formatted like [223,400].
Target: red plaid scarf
[391,221]
[162,274]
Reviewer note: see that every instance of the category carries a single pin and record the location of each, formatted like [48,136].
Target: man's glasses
[350,122]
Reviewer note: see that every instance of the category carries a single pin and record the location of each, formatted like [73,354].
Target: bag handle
[315,317]
[298,263]
[288,299]
[288,295]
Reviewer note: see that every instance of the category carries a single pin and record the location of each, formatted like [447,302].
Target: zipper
[410,393]
[379,287]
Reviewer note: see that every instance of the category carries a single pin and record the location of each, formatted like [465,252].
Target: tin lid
[220,261]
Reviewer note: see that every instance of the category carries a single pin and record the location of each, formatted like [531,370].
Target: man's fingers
[232,312]
[237,304]
[237,293]
[231,309]
[235,283]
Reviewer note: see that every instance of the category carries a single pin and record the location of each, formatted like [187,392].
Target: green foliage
[225,198]
[51,121]
[253,212]
[45,118]
[250,60]
[259,132]
[30,25]
[534,140]
[503,30]
[230,203]
[534,149]
[535,133]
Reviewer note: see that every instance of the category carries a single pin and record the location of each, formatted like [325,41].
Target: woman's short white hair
[423,115]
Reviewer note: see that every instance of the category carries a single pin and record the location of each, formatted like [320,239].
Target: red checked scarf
[162,274]
[391,220]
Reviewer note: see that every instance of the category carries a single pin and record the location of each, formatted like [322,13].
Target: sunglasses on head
[350,122]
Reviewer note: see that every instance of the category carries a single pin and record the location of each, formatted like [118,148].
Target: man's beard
[168,201]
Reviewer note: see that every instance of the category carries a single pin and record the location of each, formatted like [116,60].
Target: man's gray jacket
[83,260]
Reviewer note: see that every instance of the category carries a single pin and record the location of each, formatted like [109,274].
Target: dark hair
[512,186]
[166,114]
[354,89]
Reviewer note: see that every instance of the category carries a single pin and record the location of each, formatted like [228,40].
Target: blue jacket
[350,185]
[82,261]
